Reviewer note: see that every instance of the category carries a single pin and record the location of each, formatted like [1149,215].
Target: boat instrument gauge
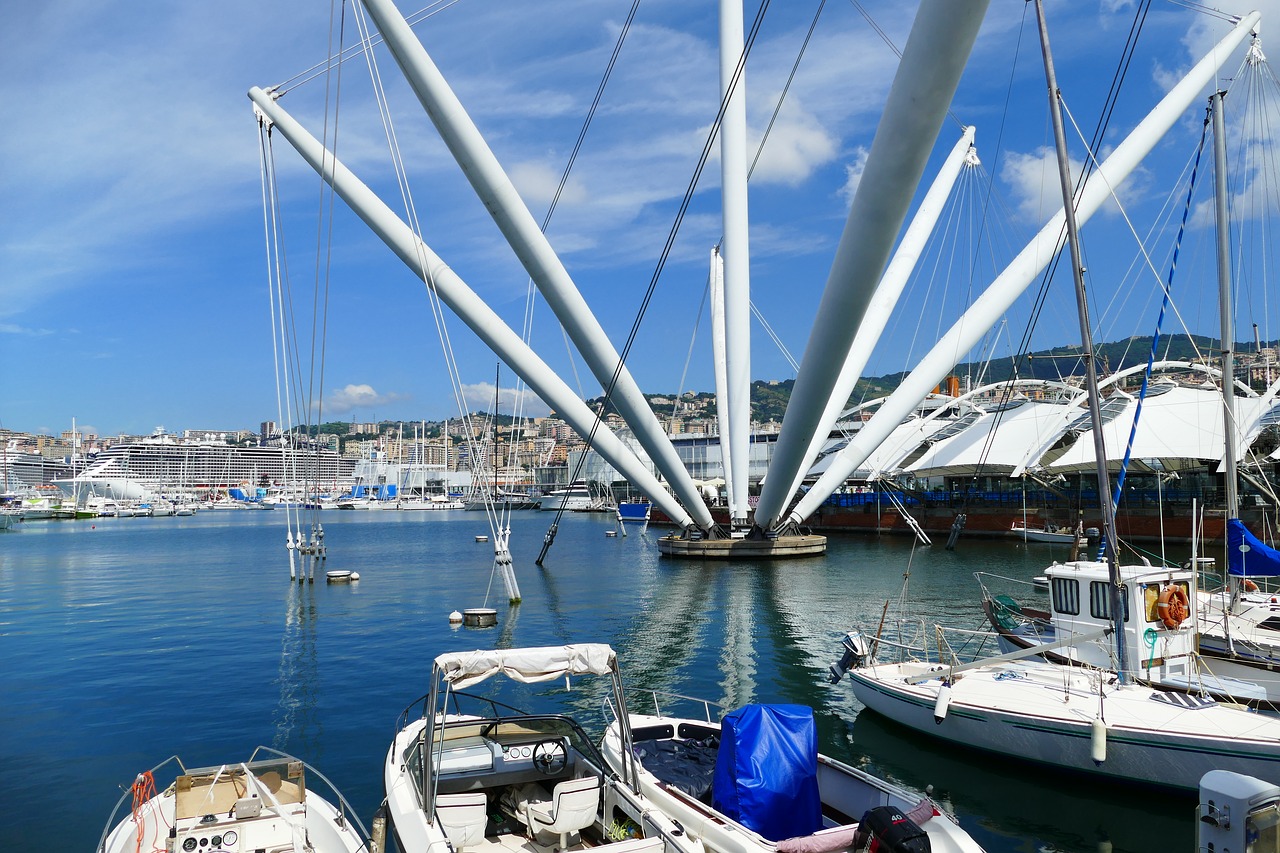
[229,838]
[189,844]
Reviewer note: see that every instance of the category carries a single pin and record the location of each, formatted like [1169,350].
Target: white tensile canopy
[1022,432]
[1181,427]
[464,669]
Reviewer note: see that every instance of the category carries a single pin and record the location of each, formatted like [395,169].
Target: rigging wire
[662,259]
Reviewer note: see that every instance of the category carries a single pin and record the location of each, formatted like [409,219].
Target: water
[129,640]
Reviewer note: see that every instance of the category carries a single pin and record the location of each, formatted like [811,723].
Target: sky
[135,290]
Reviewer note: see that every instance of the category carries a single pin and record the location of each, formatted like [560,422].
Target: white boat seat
[573,806]
[463,817]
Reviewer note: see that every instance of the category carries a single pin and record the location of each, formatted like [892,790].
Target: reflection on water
[209,650]
[296,723]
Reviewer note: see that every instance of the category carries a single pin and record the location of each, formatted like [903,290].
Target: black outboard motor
[1094,537]
[890,831]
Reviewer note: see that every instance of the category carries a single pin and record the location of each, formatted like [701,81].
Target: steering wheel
[550,756]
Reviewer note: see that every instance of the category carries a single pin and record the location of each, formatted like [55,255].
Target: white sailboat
[1091,720]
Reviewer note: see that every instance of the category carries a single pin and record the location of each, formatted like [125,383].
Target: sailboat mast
[1086,343]
[1224,302]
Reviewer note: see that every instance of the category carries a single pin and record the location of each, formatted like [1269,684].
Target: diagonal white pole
[1015,278]
[932,61]
[517,224]
[465,303]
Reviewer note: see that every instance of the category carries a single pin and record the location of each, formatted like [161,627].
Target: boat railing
[128,796]
[912,640]
[660,699]
[335,797]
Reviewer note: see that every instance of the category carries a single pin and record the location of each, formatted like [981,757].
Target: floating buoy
[1098,741]
[455,618]
[944,702]
[480,617]
[482,538]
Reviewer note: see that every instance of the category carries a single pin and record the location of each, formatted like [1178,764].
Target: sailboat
[1097,721]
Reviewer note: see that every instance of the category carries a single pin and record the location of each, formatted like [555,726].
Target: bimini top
[463,669]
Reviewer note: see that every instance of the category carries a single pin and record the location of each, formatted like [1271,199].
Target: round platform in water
[480,617]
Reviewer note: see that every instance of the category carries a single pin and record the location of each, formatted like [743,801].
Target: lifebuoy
[1172,608]
[1250,586]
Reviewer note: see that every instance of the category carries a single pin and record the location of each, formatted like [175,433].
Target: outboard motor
[1094,537]
[855,655]
[1238,812]
[888,830]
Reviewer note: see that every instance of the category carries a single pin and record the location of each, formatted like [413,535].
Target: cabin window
[1066,596]
[1100,600]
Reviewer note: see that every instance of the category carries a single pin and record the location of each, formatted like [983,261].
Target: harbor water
[129,640]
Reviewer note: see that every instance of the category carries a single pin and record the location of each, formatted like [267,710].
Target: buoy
[944,702]
[355,576]
[1098,741]
[455,618]
[480,617]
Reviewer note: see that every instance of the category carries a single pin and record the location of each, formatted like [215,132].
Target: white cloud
[853,175]
[537,184]
[346,400]
[479,397]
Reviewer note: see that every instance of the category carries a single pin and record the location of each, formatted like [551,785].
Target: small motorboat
[341,576]
[265,803]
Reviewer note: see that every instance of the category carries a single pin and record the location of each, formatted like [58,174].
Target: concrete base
[784,547]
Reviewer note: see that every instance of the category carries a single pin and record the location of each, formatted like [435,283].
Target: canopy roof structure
[464,669]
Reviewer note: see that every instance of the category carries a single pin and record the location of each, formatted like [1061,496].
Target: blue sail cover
[1247,555]
[767,770]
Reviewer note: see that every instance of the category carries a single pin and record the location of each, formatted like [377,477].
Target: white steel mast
[934,57]
[521,230]
[464,302]
[737,258]
[1014,279]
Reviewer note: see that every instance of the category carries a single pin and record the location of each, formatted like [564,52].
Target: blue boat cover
[1247,555]
[767,770]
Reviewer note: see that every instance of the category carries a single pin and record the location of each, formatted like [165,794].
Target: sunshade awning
[463,669]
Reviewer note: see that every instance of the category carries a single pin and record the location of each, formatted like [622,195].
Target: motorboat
[1163,639]
[1239,622]
[575,497]
[1047,532]
[268,803]
[753,781]
[472,774]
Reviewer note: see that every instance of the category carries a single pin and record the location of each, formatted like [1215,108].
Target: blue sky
[132,260]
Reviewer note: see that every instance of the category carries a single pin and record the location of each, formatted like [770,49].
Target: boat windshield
[215,790]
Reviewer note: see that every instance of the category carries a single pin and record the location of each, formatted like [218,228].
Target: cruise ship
[163,464]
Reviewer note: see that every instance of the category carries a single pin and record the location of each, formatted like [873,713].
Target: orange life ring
[1250,586]
[1172,608]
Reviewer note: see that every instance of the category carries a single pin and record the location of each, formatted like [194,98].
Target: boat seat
[463,817]
[574,806]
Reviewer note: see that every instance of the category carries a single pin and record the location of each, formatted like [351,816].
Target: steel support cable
[268,210]
[795,66]
[437,309]
[527,331]
[1155,339]
[322,67]
[1148,262]
[662,260]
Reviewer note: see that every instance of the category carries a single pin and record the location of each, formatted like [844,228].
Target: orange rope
[144,790]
